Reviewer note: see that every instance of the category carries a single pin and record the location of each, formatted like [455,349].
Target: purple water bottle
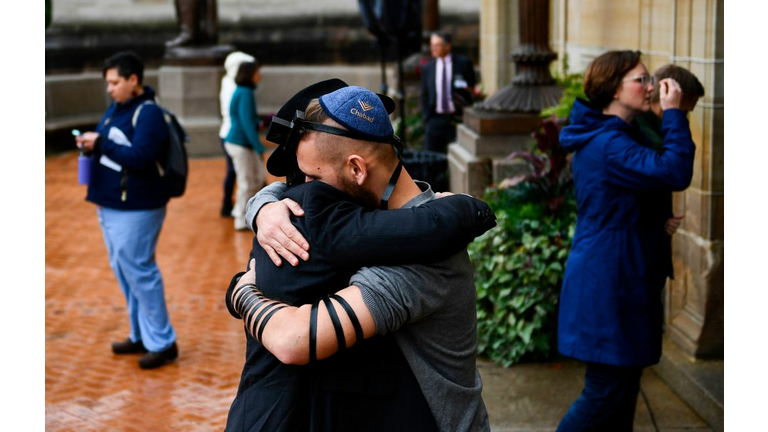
[83,164]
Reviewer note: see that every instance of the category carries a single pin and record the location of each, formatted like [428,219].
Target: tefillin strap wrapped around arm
[352,317]
[247,300]
[340,339]
[337,327]
[313,331]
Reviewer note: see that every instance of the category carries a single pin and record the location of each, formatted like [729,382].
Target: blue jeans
[131,238]
[607,402]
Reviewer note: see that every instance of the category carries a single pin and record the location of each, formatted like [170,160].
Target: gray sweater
[431,310]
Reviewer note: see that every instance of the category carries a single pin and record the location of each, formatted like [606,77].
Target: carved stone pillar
[504,122]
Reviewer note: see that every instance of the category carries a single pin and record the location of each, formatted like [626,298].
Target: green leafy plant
[573,87]
[519,264]
[518,272]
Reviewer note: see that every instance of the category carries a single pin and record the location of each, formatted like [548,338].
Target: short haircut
[126,63]
[605,74]
[335,149]
[689,84]
[244,76]
[444,35]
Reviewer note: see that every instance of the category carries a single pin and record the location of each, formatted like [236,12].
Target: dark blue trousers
[229,185]
[607,402]
[439,132]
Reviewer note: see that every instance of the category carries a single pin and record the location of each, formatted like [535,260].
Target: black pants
[371,388]
[439,131]
[607,403]
[229,184]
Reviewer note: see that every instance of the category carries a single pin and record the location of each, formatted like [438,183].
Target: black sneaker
[155,359]
[128,347]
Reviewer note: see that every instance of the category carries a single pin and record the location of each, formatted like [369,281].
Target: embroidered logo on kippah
[365,106]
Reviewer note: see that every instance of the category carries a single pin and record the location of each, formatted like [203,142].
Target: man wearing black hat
[371,387]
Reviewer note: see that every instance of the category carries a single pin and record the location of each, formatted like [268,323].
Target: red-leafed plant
[550,179]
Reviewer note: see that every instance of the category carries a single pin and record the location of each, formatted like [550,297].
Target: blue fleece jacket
[610,306]
[245,121]
[124,171]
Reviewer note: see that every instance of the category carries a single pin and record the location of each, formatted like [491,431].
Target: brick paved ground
[87,388]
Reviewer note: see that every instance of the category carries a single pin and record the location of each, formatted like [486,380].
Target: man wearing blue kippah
[425,313]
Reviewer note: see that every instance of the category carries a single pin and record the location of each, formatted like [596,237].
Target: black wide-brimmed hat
[287,123]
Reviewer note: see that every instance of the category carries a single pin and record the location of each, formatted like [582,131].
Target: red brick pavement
[86,386]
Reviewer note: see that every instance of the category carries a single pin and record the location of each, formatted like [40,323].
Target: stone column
[189,81]
[695,299]
[503,123]
[498,36]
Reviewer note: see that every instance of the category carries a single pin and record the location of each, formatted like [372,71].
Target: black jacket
[462,69]
[361,388]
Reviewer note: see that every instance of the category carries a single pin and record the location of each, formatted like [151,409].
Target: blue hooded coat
[610,306]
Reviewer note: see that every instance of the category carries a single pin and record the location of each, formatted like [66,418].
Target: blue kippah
[358,109]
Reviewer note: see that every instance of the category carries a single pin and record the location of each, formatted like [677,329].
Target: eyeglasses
[644,80]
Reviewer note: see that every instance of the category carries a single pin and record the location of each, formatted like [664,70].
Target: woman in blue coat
[243,144]
[610,309]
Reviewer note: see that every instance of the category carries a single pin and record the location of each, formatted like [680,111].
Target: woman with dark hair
[242,143]
[227,89]
[610,309]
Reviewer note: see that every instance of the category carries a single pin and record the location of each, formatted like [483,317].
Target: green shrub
[518,273]
[519,264]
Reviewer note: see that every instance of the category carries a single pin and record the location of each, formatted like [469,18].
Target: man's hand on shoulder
[277,235]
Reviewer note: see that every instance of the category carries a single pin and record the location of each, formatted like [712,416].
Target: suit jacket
[461,67]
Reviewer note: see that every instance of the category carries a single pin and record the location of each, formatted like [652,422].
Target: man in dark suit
[447,84]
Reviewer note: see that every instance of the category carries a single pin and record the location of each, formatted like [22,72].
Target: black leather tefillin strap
[228,295]
[247,301]
[313,331]
[352,317]
[340,339]
[258,317]
[266,320]
[398,145]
